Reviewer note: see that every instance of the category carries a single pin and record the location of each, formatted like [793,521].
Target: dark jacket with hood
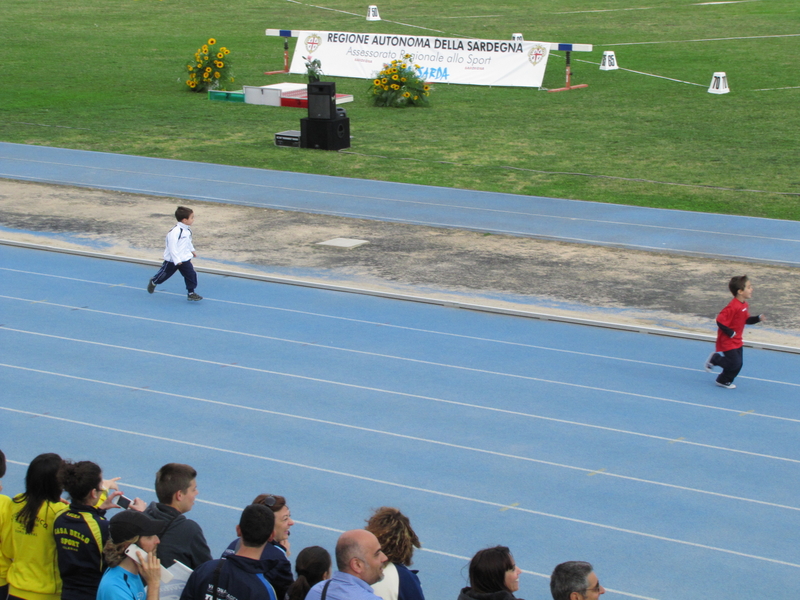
[277,568]
[182,540]
[237,577]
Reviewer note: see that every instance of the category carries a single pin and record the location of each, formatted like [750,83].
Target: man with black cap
[127,576]
[239,576]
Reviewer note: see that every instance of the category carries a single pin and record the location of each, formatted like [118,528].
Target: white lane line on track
[385,482]
[381,324]
[548,463]
[568,422]
[305,191]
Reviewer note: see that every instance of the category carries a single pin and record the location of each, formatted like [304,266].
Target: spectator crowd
[51,549]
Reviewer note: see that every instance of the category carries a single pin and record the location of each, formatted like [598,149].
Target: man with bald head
[360,562]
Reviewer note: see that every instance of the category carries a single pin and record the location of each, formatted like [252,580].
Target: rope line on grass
[356,15]
[751,37]
[577,174]
[640,72]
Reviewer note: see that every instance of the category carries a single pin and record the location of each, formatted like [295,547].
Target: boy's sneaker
[194,296]
[151,287]
[709,361]
[727,386]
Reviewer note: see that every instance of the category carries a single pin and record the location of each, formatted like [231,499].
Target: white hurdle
[569,48]
[285,34]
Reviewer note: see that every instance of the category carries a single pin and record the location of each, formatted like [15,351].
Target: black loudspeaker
[322,100]
[333,134]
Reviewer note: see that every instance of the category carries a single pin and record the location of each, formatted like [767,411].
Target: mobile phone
[122,501]
[133,550]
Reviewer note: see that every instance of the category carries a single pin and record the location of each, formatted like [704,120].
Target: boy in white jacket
[178,254]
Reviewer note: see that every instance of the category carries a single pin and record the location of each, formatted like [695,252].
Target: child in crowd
[178,254]
[126,578]
[730,322]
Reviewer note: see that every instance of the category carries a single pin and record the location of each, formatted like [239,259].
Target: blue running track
[561,441]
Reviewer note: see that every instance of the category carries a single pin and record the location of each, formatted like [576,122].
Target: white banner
[441,60]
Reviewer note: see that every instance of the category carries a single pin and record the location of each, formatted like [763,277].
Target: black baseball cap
[128,524]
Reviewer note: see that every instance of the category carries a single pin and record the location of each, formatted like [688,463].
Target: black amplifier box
[288,138]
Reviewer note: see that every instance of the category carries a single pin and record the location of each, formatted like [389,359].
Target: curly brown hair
[395,534]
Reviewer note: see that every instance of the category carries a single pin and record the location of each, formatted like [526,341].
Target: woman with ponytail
[28,522]
[313,565]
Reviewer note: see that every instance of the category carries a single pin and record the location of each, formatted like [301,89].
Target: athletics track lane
[560,441]
[693,233]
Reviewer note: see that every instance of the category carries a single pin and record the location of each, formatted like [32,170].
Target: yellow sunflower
[211,41]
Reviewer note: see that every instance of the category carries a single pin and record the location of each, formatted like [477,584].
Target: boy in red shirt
[731,321]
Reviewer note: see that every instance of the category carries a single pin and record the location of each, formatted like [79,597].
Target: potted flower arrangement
[313,69]
[211,68]
[398,85]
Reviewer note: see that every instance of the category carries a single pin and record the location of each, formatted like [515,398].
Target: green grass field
[107,75]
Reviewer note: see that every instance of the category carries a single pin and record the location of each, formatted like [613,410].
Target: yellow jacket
[33,572]
[5,561]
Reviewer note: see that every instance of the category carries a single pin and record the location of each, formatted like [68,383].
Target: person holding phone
[81,532]
[130,554]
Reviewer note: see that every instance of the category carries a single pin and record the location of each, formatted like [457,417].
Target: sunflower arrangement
[211,68]
[399,85]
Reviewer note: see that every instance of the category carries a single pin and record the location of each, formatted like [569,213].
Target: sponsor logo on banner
[537,54]
[313,42]
[438,59]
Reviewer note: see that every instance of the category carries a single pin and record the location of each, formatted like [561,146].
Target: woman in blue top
[126,577]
